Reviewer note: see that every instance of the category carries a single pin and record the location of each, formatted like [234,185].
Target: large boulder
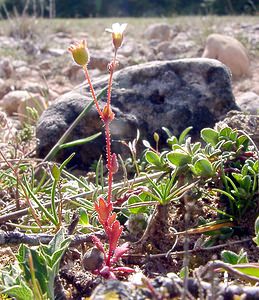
[174,94]
[230,52]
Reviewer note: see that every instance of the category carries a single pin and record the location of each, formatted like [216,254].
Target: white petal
[116,27]
[123,27]
[109,30]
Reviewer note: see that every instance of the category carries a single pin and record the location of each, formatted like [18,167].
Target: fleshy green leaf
[225,131]
[153,158]
[203,167]
[179,158]
[184,134]
[210,136]
[233,258]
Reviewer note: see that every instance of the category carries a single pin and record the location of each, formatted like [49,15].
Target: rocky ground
[34,60]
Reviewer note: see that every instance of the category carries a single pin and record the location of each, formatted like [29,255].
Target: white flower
[117,33]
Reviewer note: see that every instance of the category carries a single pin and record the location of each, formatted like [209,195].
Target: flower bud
[108,114]
[80,53]
[114,164]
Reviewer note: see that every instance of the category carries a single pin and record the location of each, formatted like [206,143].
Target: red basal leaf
[116,230]
[119,251]
[97,242]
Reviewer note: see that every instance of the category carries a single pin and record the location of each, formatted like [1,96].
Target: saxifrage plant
[104,207]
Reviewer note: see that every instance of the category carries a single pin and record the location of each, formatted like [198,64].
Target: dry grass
[95,26]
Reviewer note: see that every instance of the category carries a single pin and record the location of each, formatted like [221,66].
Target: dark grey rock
[93,259]
[173,94]
[58,117]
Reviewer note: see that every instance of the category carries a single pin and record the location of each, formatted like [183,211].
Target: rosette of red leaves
[113,230]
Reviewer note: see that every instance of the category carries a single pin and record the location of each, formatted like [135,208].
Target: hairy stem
[92,91]
[110,80]
[108,155]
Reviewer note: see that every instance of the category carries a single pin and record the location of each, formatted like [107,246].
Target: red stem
[108,150]
[92,91]
[110,80]
[108,139]
[108,155]
[108,261]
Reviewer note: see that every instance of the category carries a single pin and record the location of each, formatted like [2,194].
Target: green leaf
[247,183]
[39,265]
[238,177]
[80,141]
[256,166]
[256,240]
[242,257]
[184,272]
[184,134]
[210,136]
[242,141]
[172,141]
[136,210]
[251,269]
[179,158]
[225,132]
[56,242]
[227,146]
[20,292]
[167,131]
[233,136]
[203,167]
[232,258]
[55,172]
[257,226]
[229,257]
[196,147]
[153,158]
[83,217]
[66,161]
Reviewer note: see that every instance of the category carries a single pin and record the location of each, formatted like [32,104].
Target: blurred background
[127,8]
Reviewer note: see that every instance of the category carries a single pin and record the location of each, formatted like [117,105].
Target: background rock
[36,102]
[249,102]
[174,94]
[229,51]
[6,68]
[160,32]
[12,100]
